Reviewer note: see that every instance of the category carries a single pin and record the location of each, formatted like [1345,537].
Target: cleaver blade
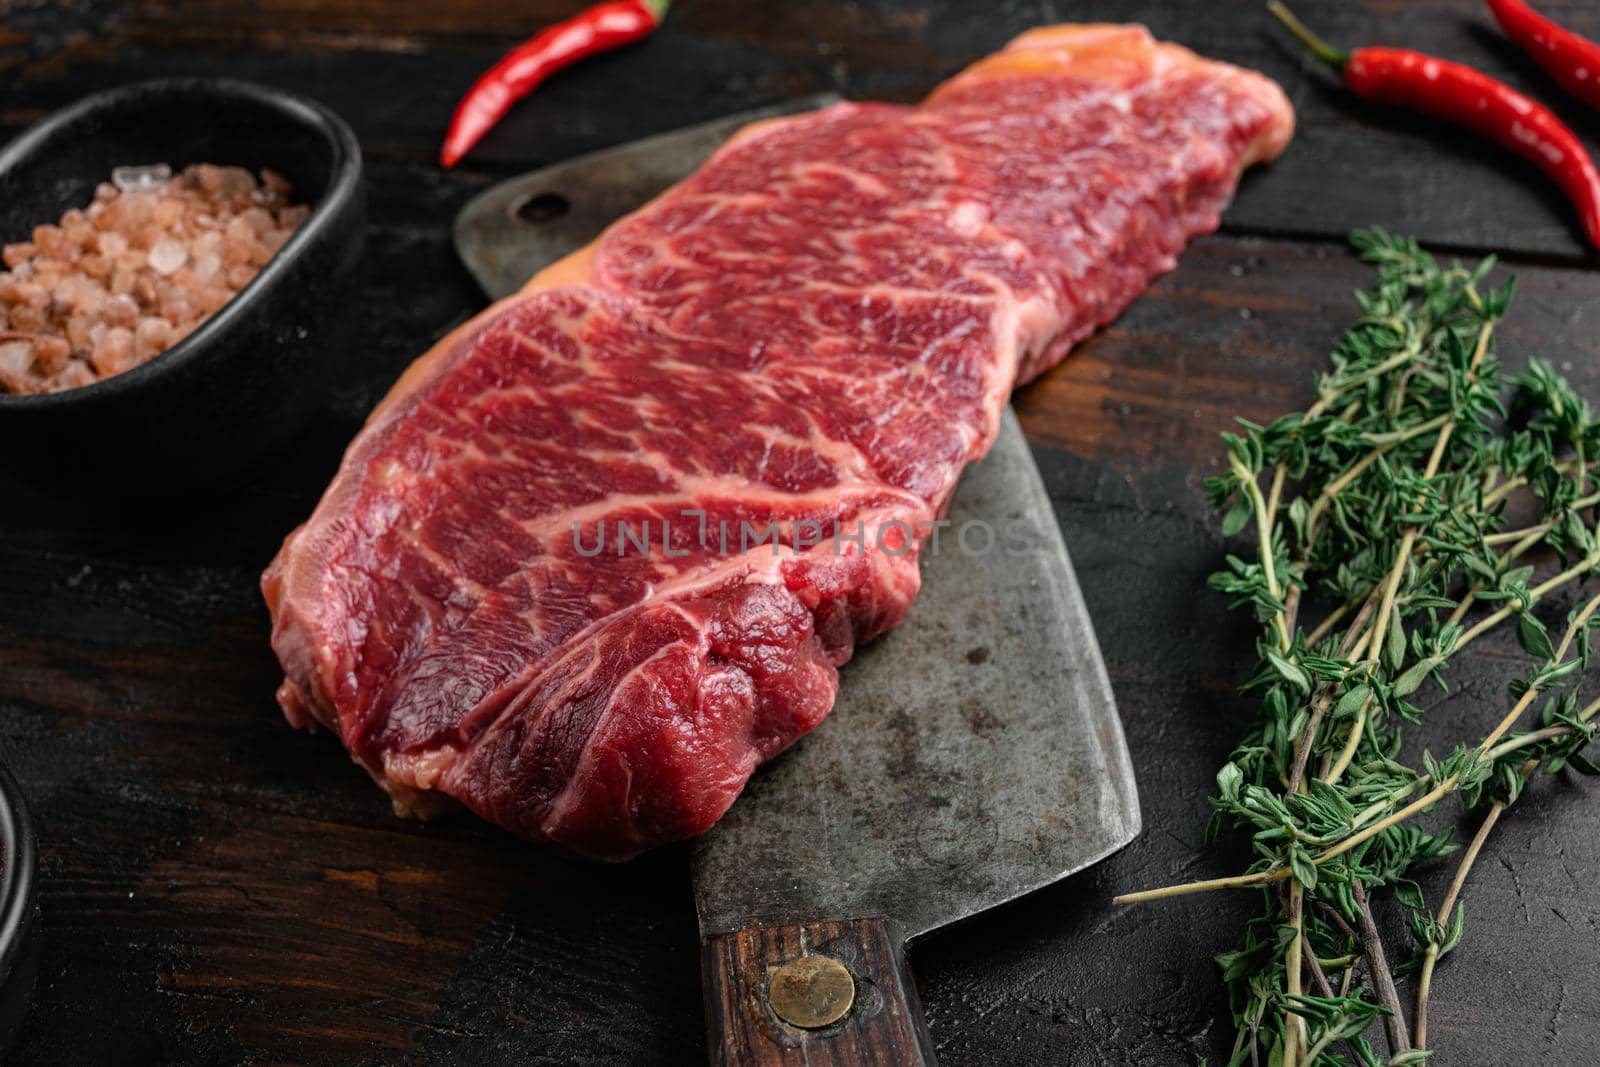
[974,755]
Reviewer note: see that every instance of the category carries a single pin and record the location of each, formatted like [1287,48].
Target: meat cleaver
[975,753]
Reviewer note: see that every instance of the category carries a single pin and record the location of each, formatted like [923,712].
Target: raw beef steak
[806,340]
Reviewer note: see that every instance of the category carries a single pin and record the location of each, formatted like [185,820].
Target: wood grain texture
[396,70]
[883,1028]
[218,889]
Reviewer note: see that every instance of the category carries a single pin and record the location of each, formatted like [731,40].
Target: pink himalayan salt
[167,213]
[150,336]
[114,353]
[16,361]
[18,254]
[15,357]
[74,375]
[27,319]
[181,309]
[167,255]
[80,332]
[135,271]
[121,310]
[136,179]
[52,353]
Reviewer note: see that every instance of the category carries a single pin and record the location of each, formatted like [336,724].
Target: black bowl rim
[18,874]
[343,183]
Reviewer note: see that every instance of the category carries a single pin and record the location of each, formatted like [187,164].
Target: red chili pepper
[1420,82]
[1571,59]
[599,29]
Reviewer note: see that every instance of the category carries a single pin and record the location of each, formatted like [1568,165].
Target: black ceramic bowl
[244,381]
[19,949]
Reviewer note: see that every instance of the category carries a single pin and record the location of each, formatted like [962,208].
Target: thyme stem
[1292,965]
[1431,956]
[1243,881]
[1394,1023]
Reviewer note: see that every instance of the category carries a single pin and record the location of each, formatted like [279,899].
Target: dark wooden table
[219,889]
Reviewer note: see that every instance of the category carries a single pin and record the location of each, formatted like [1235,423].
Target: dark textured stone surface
[218,889]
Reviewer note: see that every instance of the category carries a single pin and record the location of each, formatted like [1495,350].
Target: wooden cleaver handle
[828,994]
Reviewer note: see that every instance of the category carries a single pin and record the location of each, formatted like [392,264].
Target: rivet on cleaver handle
[824,994]
[511,230]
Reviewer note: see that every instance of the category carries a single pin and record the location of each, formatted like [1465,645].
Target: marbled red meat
[819,329]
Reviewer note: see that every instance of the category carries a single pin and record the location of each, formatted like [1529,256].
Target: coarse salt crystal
[260,220]
[137,179]
[215,297]
[16,356]
[68,289]
[114,350]
[80,331]
[91,298]
[33,295]
[274,183]
[27,319]
[75,375]
[238,236]
[236,181]
[80,233]
[50,240]
[167,255]
[18,254]
[168,213]
[52,353]
[134,213]
[120,310]
[150,336]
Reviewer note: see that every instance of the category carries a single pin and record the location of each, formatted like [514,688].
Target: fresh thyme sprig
[1400,510]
